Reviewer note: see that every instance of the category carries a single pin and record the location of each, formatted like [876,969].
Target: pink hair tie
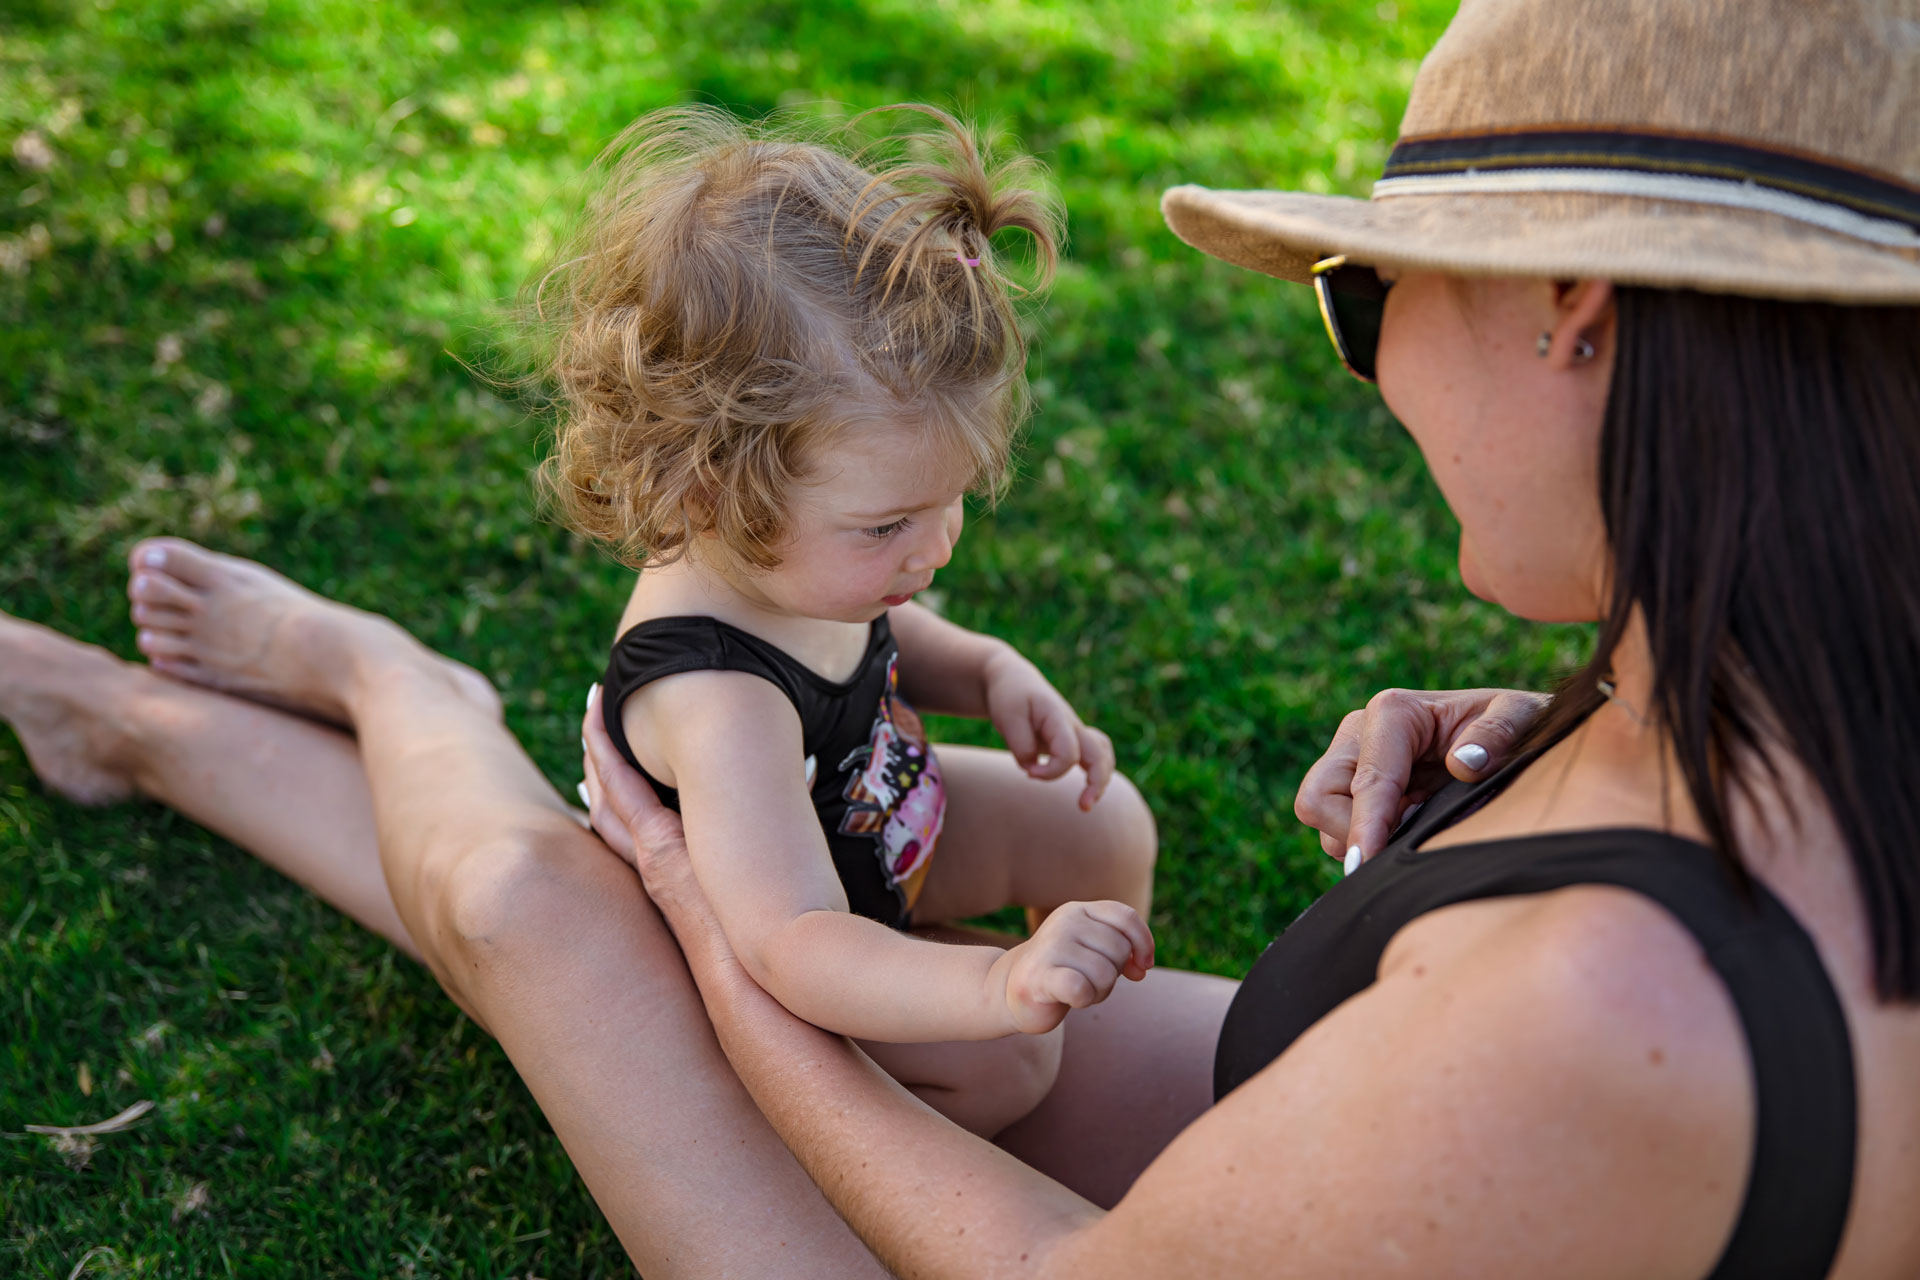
[965,262]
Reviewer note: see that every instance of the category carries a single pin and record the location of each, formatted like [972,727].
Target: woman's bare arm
[1555,1088]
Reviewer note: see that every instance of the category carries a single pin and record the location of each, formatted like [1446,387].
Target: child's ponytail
[956,202]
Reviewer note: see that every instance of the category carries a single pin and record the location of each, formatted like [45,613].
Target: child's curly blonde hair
[732,294]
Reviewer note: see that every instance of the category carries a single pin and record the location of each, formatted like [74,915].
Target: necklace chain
[1607,691]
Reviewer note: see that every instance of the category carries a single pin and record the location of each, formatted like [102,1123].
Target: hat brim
[1630,240]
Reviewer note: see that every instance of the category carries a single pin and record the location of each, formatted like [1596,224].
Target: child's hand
[1040,727]
[1072,961]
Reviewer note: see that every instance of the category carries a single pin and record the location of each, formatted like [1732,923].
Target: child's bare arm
[733,745]
[947,669]
[943,667]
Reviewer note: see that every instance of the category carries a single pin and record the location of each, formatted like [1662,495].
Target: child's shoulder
[689,716]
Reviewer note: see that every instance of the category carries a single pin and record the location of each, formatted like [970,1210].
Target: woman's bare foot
[53,691]
[237,626]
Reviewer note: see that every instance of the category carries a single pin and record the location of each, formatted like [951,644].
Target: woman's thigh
[1011,840]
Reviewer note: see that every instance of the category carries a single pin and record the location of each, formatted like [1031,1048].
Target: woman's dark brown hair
[1760,479]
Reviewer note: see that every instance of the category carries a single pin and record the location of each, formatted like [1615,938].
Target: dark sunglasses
[1352,300]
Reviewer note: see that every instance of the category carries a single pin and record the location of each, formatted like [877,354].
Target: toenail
[154,557]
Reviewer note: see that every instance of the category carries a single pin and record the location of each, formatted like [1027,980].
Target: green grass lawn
[245,246]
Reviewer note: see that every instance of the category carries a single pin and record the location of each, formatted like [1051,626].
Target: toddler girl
[779,375]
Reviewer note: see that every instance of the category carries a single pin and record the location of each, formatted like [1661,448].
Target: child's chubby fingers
[1113,931]
[1055,729]
[1017,731]
[1097,761]
[1124,921]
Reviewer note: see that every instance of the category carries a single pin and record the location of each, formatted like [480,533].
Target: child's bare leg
[530,923]
[981,1085]
[1009,840]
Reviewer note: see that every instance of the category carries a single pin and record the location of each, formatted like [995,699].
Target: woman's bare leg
[566,962]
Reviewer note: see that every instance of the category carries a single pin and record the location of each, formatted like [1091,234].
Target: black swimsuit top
[1800,1184]
[873,779]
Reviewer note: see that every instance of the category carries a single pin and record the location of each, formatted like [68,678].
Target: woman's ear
[1582,331]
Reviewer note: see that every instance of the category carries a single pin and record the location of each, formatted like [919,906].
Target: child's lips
[895,601]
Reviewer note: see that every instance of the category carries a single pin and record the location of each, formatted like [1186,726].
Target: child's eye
[880,531]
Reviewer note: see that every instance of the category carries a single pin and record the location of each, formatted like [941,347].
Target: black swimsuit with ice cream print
[873,777]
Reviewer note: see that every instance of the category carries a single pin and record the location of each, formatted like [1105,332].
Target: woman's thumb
[1486,742]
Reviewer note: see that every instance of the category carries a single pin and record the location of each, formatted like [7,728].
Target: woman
[1570,1057]
[1640,281]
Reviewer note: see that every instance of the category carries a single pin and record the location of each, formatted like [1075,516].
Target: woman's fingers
[624,794]
[605,824]
[1487,740]
[1325,799]
[1400,730]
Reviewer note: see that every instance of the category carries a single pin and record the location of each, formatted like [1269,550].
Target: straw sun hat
[1761,147]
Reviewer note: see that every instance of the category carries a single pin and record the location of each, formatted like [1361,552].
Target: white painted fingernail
[580,789]
[1472,755]
[1353,859]
[593,692]
[154,557]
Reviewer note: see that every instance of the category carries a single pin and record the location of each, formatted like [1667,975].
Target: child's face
[869,528]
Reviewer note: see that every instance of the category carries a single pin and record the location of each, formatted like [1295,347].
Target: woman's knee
[533,887]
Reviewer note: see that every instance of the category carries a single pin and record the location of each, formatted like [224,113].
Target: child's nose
[933,551]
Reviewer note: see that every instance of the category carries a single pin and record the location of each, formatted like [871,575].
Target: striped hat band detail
[1666,166]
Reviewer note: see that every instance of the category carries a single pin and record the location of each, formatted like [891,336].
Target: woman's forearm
[929,1198]
[856,977]
[943,667]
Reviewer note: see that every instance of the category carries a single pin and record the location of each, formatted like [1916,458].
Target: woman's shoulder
[1531,1084]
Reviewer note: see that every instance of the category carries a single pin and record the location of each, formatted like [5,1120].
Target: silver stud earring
[1582,349]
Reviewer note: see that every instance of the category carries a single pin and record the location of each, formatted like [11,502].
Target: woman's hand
[1404,746]
[628,815]
[1041,728]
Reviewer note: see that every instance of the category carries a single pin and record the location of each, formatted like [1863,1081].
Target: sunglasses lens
[1354,300]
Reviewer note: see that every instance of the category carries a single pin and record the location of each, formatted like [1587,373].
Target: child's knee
[1137,836]
[1133,843]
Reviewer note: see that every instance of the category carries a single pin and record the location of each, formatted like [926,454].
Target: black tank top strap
[1800,1183]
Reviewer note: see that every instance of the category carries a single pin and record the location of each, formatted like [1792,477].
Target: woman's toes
[188,562]
[161,618]
[157,644]
[156,587]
